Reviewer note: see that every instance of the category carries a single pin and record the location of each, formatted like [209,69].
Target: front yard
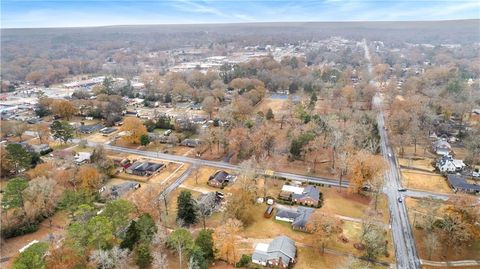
[425,181]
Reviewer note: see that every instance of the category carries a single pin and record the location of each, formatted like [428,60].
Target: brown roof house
[220,179]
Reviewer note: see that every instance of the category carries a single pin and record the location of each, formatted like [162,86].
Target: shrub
[32,257]
[143,258]
[244,261]
[17,231]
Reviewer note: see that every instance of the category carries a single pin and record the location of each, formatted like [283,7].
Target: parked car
[268,213]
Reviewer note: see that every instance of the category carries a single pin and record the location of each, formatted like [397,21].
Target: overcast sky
[71,13]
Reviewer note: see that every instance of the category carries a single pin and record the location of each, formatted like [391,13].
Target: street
[404,242]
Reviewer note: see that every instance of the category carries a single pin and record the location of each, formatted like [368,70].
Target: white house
[447,164]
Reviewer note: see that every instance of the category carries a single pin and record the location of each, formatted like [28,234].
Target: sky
[75,13]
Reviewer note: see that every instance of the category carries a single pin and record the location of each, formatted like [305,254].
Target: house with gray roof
[298,217]
[309,196]
[279,253]
[144,168]
[89,129]
[441,147]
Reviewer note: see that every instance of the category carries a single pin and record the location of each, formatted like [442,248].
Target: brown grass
[443,252]
[309,258]
[277,106]
[425,164]
[341,202]
[425,181]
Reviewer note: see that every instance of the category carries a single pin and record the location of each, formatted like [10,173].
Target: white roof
[294,189]
[261,247]
[458,163]
[82,156]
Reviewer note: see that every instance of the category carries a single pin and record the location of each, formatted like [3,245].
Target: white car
[475,174]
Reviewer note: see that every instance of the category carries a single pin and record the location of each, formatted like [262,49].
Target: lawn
[310,258]
[198,181]
[57,145]
[269,228]
[425,181]
[100,138]
[342,202]
[166,148]
[82,149]
[424,164]
[170,219]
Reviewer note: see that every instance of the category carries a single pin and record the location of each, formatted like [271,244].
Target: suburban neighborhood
[245,145]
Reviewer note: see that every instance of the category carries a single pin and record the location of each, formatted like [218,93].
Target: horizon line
[232,23]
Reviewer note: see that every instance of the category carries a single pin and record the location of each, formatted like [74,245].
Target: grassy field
[340,201]
[83,149]
[425,164]
[277,105]
[425,181]
[310,258]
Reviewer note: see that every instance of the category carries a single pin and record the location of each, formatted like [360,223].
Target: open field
[100,138]
[424,163]
[425,182]
[277,105]
[341,202]
[165,148]
[82,149]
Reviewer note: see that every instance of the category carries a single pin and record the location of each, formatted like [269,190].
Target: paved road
[224,165]
[176,183]
[216,164]
[404,243]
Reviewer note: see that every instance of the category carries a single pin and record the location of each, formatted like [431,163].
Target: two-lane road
[404,243]
[216,164]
